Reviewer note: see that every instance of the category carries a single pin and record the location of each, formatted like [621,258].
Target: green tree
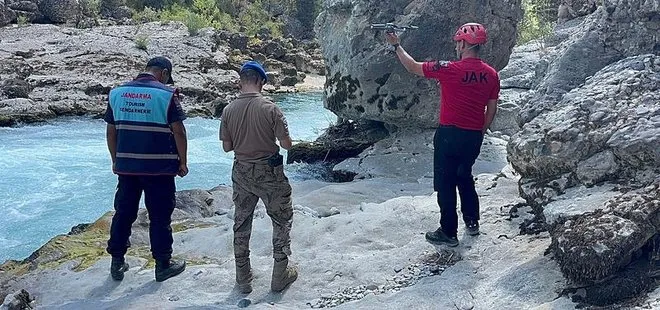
[538,20]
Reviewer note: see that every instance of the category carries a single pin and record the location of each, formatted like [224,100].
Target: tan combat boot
[244,278]
[282,275]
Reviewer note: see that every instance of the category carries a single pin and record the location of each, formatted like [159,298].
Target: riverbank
[357,244]
[50,71]
[63,165]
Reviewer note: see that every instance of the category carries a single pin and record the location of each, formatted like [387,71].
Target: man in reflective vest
[148,146]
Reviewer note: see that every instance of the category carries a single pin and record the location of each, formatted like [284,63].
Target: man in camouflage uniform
[250,125]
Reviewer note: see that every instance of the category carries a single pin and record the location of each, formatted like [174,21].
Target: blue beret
[256,67]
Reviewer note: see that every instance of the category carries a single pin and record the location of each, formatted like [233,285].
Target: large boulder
[516,79]
[305,62]
[13,111]
[196,203]
[606,130]
[60,11]
[617,29]
[6,15]
[15,88]
[576,8]
[366,81]
[108,7]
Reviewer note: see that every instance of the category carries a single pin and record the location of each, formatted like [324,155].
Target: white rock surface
[377,231]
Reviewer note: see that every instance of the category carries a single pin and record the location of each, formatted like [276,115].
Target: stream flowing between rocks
[57,175]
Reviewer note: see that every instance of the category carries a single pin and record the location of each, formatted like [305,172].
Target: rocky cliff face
[607,129]
[42,11]
[366,81]
[587,150]
[616,30]
[588,117]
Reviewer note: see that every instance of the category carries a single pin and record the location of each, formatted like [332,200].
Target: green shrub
[22,20]
[91,8]
[254,17]
[224,14]
[147,15]
[537,22]
[139,5]
[141,42]
[195,22]
[192,20]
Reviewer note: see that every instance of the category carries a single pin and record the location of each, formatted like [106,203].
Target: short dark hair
[250,76]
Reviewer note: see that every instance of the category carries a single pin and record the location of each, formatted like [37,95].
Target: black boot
[117,268]
[283,275]
[438,237]
[168,269]
[472,228]
[244,278]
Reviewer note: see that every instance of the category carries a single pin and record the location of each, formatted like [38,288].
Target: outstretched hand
[392,38]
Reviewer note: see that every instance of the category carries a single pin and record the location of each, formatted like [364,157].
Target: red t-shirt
[466,87]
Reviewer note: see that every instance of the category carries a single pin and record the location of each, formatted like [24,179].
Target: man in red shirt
[469,90]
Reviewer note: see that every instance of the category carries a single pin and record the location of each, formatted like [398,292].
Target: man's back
[142,112]
[252,123]
[467,85]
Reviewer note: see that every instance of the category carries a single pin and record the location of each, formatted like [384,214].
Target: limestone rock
[577,8]
[24,5]
[108,7]
[617,29]
[59,11]
[64,68]
[521,67]
[607,129]
[508,108]
[196,203]
[290,81]
[20,300]
[15,88]
[366,81]
[274,49]
[17,110]
[6,15]
[26,8]
[122,12]
[239,41]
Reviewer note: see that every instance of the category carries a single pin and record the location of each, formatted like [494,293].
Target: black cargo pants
[455,151]
[159,198]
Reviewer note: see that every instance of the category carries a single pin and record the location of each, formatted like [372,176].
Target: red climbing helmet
[472,33]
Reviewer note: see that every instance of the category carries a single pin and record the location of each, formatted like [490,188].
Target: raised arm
[408,62]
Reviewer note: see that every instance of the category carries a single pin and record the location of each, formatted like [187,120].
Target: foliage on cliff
[251,17]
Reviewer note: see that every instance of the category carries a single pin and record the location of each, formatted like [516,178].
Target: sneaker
[117,268]
[472,228]
[168,269]
[438,237]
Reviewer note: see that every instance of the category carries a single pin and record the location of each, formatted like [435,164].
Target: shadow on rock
[339,142]
[105,289]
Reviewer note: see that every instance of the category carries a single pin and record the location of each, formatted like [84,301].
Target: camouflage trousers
[251,182]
